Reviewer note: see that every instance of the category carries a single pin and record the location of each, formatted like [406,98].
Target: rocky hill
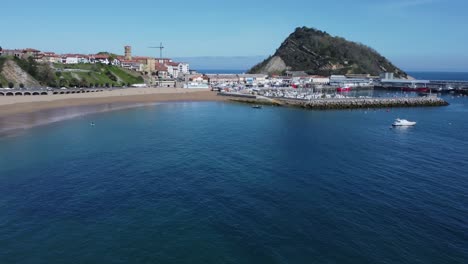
[317,52]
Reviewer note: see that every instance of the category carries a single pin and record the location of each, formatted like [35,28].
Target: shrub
[11,85]
[21,85]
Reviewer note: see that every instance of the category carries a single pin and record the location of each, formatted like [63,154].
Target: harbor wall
[343,103]
[355,103]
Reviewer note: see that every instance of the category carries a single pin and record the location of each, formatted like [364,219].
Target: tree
[63,83]
[111,59]
[1,84]
[32,66]
[11,85]
[21,85]
[74,82]
[46,75]
[107,85]
[84,83]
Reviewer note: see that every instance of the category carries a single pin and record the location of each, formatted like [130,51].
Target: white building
[74,59]
[184,68]
[253,79]
[70,60]
[173,69]
[320,79]
[131,65]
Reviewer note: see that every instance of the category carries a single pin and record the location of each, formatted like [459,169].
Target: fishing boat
[343,88]
[416,88]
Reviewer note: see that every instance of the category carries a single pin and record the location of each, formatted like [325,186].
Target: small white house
[70,60]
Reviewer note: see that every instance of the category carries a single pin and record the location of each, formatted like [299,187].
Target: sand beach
[22,112]
[10,105]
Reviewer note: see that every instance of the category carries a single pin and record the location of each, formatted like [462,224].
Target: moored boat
[343,89]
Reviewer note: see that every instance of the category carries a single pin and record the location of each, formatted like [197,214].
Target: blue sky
[415,34]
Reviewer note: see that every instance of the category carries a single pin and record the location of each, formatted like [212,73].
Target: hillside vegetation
[28,73]
[317,52]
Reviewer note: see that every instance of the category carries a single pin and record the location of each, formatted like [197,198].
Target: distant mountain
[317,52]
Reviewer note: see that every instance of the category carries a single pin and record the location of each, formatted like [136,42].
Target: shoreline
[10,105]
[24,112]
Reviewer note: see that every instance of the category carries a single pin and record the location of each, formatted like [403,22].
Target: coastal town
[157,68]
[164,72]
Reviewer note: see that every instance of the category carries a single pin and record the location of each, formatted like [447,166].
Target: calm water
[225,183]
[214,71]
[459,76]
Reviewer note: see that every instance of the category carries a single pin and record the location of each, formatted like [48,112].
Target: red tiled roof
[74,55]
[160,67]
[100,56]
[30,50]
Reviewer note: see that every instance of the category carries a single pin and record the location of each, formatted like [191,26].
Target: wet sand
[22,112]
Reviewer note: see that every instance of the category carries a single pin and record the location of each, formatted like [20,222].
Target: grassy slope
[93,74]
[100,74]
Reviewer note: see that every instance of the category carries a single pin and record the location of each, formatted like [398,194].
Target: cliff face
[317,52]
[11,72]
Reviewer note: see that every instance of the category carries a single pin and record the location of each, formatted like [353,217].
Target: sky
[414,34]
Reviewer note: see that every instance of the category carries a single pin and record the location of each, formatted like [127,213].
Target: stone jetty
[344,103]
[353,103]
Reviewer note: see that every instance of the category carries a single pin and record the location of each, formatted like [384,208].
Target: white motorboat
[403,122]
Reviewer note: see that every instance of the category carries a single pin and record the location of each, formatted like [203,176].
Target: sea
[214,182]
[440,76]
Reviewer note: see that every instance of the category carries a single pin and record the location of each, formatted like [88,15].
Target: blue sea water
[441,76]
[225,71]
[211,182]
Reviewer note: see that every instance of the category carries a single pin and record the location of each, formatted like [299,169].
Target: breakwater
[351,103]
[345,103]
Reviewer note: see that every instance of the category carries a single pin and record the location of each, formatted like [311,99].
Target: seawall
[354,103]
[346,103]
